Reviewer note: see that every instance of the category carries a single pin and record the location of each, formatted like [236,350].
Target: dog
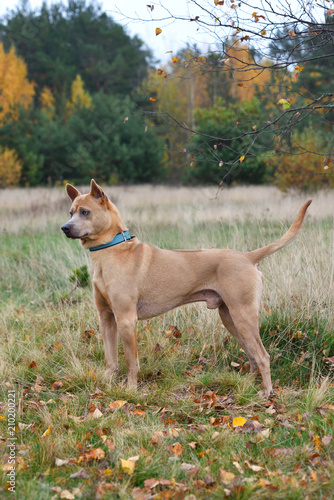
[134,280]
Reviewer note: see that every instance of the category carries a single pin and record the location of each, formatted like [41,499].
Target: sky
[174,35]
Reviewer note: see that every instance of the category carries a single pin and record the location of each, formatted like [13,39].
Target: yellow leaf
[175,59]
[2,417]
[158,31]
[239,422]
[317,442]
[47,432]
[128,466]
[114,405]
[263,32]
[241,159]
[152,99]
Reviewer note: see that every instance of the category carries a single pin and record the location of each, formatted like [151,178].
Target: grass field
[80,435]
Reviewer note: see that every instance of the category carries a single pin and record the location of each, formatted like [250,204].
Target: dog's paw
[265,394]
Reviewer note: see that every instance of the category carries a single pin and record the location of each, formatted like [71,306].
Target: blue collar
[119,238]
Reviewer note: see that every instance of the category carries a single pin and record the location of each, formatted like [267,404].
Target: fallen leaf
[67,495]
[56,385]
[33,364]
[177,448]
[47,432]
[114,405]
[94,454]
[128,466]
[81,474]
[96,414]
[239,422]
[59,462]
[326,440]
[255,468]
[278,452]
[225,476]
[238,467]
[139,413]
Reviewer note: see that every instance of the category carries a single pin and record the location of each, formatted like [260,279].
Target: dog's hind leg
[245,320]
[228,322]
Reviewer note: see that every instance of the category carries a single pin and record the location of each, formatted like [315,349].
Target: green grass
[188,391]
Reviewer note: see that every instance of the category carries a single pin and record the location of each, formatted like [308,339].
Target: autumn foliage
[10,168]
[15,87]
[301,167]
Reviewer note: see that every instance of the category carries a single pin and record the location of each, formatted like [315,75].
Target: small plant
[80,276]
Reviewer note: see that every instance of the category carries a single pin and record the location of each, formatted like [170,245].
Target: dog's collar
[119,238]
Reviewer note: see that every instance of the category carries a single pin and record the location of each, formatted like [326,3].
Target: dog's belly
[146,310]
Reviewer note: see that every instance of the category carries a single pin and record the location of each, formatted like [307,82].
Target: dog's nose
[66,228]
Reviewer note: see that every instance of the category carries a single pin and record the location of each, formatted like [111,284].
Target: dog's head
[91,214]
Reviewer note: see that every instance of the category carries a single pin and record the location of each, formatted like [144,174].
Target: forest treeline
[79,98]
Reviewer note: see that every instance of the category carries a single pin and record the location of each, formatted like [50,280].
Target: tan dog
[134,280]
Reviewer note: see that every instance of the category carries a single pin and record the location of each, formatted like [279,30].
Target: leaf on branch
[158,31]
[151,7]
[195,19]
[152,99]
[219,2]
[263,32]
[330,12]
[241,159]
[285,103]
[175,59]
[292,34]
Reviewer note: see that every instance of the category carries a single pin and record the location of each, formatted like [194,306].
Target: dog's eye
[71,214]
[85,212]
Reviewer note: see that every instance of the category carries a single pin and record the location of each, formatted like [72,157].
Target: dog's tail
[257,255]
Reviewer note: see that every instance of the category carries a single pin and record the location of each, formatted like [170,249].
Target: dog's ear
[72,191]
[96,191]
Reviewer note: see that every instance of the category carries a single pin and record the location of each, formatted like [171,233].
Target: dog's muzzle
[67,229]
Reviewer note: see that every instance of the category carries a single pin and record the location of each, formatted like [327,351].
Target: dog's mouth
[73,236]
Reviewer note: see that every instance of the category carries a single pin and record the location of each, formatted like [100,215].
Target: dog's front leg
[127,330]
[108,329]
[110,341]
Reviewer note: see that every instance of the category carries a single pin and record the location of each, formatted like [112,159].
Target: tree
[60,42]
[79,97]
[220,132]
[10,168]
[15,89]
[108,140]
[283,39]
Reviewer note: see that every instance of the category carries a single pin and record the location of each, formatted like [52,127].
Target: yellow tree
[245,75]
[47,102]
[79,97]
[15,89]
[10,168]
